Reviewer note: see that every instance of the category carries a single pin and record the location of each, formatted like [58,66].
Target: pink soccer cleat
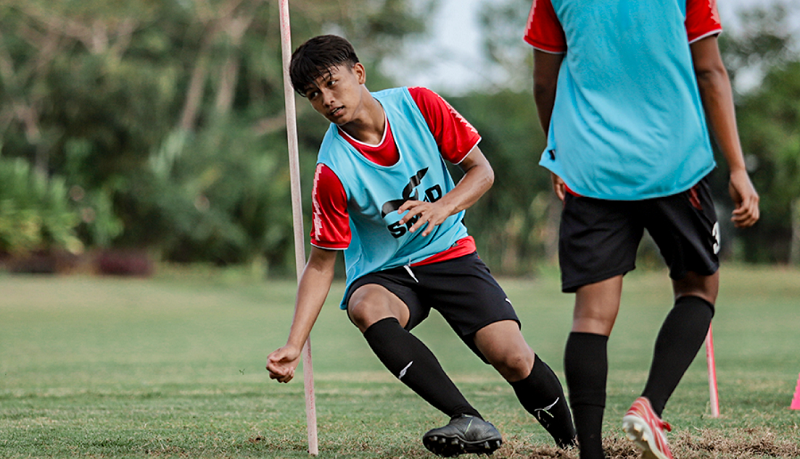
[644,428]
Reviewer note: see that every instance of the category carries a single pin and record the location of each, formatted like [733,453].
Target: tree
[515,223]
[765,50]
[165,118]
[769,117]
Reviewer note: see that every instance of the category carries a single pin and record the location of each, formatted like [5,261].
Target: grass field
[174,367]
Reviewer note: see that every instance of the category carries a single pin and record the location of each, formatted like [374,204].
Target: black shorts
[461,289]
[598,238]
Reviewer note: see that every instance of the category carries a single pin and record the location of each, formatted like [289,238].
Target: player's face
[337,94]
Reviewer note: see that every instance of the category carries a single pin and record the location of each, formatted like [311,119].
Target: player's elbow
[481,172]
[711,76]
[488,178]
[543,90]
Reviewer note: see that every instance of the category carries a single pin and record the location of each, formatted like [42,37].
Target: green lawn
[174,367]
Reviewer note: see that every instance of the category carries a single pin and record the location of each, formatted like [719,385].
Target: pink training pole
[297,215]
[712,374]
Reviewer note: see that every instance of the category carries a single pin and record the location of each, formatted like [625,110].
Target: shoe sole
[451,446]
[637,431]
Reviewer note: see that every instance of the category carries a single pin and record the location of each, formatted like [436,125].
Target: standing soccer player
[623,90]
[383,195]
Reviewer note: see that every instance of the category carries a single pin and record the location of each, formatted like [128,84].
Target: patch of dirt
[739,443]
[700,444]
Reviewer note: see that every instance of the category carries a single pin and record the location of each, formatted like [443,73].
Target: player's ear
[360,72]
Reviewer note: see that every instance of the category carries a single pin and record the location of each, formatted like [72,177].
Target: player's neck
[370,123]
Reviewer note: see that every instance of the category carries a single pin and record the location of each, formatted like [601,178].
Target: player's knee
[361,314]
[364,312]
[701,286]
[514,365]
[372,303]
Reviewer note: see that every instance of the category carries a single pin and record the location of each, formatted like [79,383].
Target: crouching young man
[383,195]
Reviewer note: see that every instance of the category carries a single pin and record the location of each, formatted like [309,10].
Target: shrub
[35,214]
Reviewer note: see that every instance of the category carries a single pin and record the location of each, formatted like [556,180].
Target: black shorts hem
[706,271]
[573,286]
[471,332]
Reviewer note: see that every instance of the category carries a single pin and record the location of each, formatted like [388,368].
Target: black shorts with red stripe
[598,239]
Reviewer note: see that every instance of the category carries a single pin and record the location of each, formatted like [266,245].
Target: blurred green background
[133,133]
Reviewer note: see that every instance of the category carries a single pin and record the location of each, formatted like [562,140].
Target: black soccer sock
[681,336]
[541,395]
[416,366]
[586,369]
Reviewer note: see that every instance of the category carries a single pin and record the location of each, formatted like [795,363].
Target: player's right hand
[745,198]
[282,362]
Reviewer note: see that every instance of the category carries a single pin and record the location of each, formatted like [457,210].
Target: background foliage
[159,125]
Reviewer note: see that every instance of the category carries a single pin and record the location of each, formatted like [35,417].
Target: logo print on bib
[410,192]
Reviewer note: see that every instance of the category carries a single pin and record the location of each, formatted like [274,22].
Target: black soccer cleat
[464,434]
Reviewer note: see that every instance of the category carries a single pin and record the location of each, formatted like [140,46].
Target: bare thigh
[705,287]
[597,306]
[505,348]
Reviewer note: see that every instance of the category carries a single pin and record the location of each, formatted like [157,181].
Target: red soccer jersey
[455,138]
[544,31]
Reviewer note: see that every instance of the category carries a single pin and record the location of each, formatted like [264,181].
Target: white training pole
[297,215]
[712,374]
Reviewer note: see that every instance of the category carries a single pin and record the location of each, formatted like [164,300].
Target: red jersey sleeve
[454,135]
[544,31]
[330,222]
[702,19]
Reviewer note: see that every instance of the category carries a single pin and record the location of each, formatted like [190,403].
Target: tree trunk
[227,85]
[194,95]
[794,253]
[229,72]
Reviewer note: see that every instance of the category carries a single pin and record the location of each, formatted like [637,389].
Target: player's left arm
[478,178]
[717,96]
[545,81]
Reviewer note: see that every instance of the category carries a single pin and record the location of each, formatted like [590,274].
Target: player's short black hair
[317,56]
